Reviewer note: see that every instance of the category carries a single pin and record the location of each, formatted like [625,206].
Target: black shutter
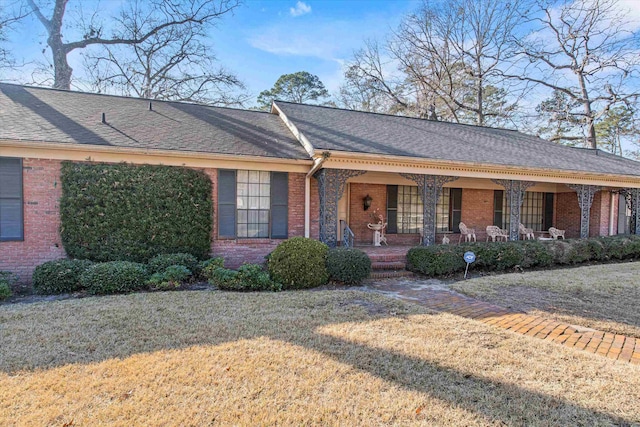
[280,205]
[226,203]
[392,209]
[498,196]
[456,209]
[11,223]
[548,211]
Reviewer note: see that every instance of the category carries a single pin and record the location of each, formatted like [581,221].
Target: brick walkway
[432,294]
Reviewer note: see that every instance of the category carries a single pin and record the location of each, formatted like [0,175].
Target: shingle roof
[37,114]
[353,131]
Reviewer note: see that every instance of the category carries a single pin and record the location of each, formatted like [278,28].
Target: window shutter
[392,209]
[498,196]
[11,223]
[280,205]
[456,209]
[226,203]
[548,211]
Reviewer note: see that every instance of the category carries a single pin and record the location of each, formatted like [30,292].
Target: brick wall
[42,191]
[359,218]
[568,214]
[477,211]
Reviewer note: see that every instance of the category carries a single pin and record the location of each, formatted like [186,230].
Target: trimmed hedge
[348,265]
[248,278]
[442,260]
[114,277]
[160,263]
[6,280]
[208,266]
[59,276]
[171,278]
[299,263]
[112,212]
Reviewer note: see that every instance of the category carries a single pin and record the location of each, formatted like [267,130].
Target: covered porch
[582,210]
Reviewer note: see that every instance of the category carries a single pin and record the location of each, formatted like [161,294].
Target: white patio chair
[555,233]
[468,233]
[496,232]
[526,232]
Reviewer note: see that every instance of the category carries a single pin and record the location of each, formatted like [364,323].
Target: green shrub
[560,251]
[171,278]
[222,277]
[112,212]
[536,254]
[579,251]
[59,276]
[160,263]
[114,277]
[348,265]
[248,278]
[436,260]
[299,263]
[208,266]
[6,280]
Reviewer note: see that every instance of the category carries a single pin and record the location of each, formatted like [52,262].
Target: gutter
[317,164]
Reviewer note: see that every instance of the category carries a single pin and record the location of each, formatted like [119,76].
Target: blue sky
[268,38]
[263,39]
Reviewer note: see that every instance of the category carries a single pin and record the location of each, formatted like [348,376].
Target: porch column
[585,198]
[331,184]
[634,194]
[429,187]
[515,196]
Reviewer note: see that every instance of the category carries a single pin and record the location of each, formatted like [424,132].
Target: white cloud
[301,9]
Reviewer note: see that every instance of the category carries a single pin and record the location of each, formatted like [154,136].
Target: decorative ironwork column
[429,187]
[634,194]
[515,196]
[585,199]
[331,184]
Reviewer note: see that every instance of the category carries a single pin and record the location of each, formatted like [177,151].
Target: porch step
[389,274]
[375,258]
[388,265]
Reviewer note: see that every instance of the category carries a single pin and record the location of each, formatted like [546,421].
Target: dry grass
[603,297]
[294,358]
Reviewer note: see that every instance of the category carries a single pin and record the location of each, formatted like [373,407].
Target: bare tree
[173,64]
[447,61]
[133,26]
[10,13]
[456,52]
[584,50]
[373,84]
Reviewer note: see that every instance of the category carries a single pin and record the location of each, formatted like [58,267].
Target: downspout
[317,164]
[611,212]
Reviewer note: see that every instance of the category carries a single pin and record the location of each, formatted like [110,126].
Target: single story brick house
[303,170]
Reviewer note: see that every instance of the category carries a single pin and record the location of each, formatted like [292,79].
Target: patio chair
[555,233]
[496,232]
[468,233]
[526,232]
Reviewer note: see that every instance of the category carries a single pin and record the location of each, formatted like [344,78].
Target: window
[252,204]
[536,211]
[404,209]
[253,201]
[11,223]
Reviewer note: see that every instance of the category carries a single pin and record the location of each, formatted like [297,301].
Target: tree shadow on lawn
[154,322]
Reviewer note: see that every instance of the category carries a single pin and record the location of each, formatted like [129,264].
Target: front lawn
[603,297]
[291,358]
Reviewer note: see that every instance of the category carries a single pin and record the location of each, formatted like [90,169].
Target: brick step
[389,274]
[388,265]
[387,258]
